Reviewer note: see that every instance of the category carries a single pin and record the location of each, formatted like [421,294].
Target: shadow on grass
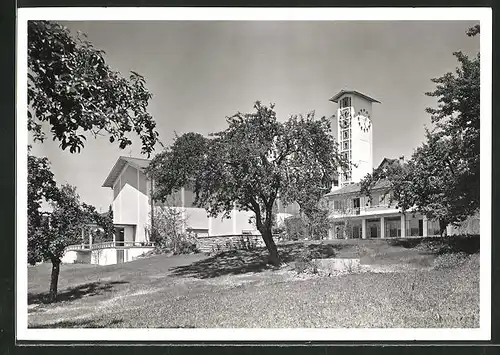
[235,262]
[81,323]
[441,245]
[73,293]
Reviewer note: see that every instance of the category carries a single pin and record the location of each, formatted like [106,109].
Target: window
[345,102]
[355,202]
[345,134]
[345,145]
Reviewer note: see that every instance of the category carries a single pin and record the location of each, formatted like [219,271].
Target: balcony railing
[106,245]
[362,210]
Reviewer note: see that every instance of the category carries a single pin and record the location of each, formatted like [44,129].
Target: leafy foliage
[49,233]
[105,221]
[318,224]
[441,179]
[71,87]
[250,164]
[312,226]
[295,228]
[169,232]
[60,228]
[41,187]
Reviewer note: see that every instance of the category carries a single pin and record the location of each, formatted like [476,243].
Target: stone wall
[215,244]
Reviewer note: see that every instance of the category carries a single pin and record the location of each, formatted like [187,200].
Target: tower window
[345,102]
[345,134]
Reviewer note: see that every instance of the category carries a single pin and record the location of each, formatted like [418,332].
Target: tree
[104,221]
[441,180]
[62,227]
[41,187]
[49,233]
[71,87]
[249,164]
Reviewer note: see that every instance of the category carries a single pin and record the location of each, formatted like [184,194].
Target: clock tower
[354,134]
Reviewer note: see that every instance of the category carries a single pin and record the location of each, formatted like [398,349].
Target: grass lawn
[411,284]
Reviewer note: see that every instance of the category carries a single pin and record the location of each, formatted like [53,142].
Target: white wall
[133,253]
[104,256]
[69,257]
[76,256]
[361,151]
[131,202]
[109,256]
[242,222]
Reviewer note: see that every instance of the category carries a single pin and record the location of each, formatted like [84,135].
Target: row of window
[376,200]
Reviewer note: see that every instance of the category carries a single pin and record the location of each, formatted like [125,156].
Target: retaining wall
[226,242]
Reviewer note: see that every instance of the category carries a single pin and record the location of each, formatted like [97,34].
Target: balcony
[106,245]
[364,211]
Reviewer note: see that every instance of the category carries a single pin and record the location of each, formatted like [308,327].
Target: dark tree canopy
[256,160]
[441,179]
[71,87]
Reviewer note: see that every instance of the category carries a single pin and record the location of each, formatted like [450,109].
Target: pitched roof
[352,92]
[356,188]
[137,163]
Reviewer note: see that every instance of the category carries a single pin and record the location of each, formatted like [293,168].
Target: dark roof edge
[336,97]
[119,165]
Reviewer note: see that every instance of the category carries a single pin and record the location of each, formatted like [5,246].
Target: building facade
[132,205]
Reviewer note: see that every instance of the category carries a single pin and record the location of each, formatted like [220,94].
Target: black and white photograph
[255,174]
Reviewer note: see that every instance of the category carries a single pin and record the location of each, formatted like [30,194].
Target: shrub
[168,232]
[321,251]
[295,228]
[313,226]
[450,260]
[317,224]
[304,263]
[187,247]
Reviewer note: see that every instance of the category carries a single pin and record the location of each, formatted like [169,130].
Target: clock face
[364,120]
[363,112]
[345,118]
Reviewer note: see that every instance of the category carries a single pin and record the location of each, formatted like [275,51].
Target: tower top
[352,92]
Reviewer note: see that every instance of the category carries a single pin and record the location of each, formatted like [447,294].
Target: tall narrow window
[345,102]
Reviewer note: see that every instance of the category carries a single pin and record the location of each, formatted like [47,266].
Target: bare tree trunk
[442,228]
[54,278]
[274,258]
